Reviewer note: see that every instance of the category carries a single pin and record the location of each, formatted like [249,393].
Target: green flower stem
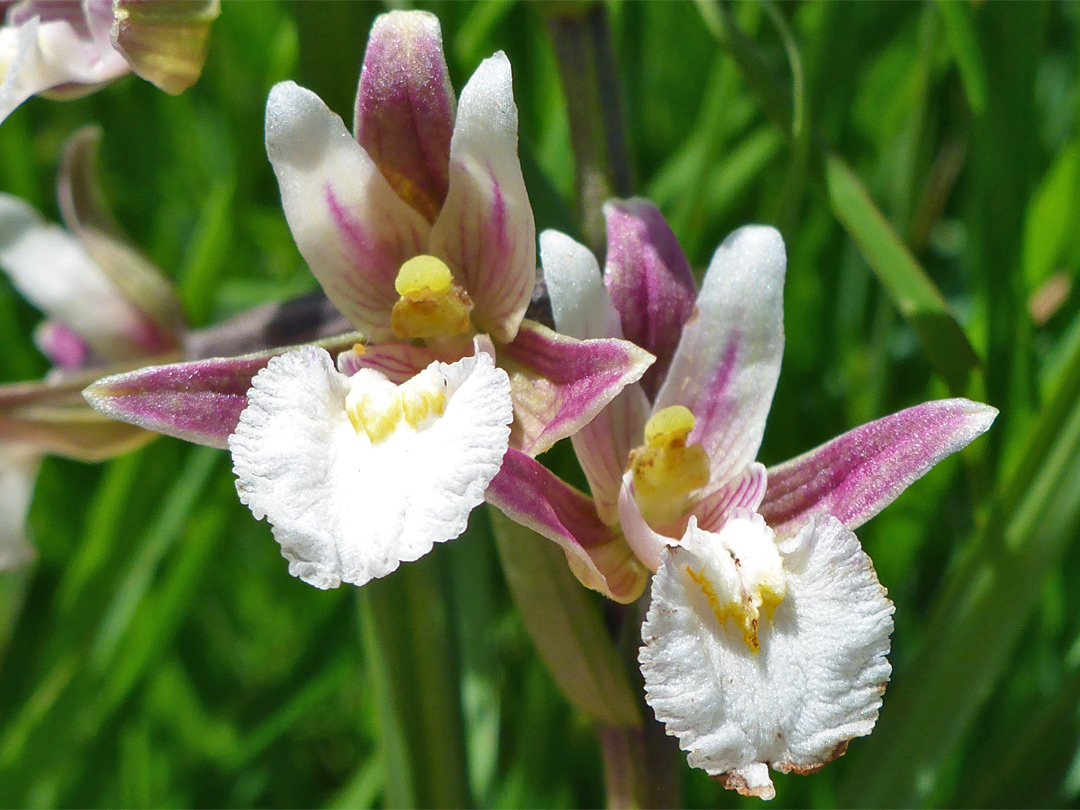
[577,647]
[413,674]
[582,41]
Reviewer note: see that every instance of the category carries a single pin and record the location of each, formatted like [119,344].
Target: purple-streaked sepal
[530,494]
[560,384]
[650,281]
[856,475]
[52,417]
[349,224]
[728,359]
[164,41]
[199,401]
[486,232]
[87,215]
[405,108]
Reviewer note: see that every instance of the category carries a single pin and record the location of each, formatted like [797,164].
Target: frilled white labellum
[761,654]
[357,475]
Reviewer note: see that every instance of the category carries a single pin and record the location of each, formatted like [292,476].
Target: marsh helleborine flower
[767,633]
[420,231]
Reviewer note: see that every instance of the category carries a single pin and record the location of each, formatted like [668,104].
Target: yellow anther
[431,303]
[423,272]
[359,348]
[669,427]
[666,471]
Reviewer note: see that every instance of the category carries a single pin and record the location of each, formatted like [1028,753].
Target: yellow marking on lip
[409,405]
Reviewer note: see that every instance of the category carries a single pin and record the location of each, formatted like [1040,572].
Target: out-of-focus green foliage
[158,654]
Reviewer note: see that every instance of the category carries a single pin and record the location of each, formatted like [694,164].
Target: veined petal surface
[560,384]
[856,475]
[348,508]
[199,401]
[350,226]
[49,266]
[164,41]
[405,108]
[814,683]
[744,491]
[530,494]
[728,360]
[583,309]
[486,232]
[650,281]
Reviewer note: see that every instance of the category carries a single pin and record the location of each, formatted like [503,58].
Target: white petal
[350,226]
[344,509]
[815,683]
[37,56]
[728,359]
[486,231]
[583,309]
[18,470]
[49,266]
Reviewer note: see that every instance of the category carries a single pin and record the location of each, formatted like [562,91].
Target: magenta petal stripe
[530,494]
[398,361]
[198,401]
[745,491]
[405,108]
[486,232]
[856,475]
[560,384]
[650,281]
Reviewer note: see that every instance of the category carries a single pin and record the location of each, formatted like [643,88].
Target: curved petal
[405,108]
[48,266]
[560,384]
[199,401]
[348,508]
[650,281]
[580,304]
[164,41]
[351,228]
[38,56]
[18,471]
[745,491]
[87,216]
[583,309]
[645,542]
[728,360]
[856,475]
[530,494]
[396,361]
[486,232]
[815,680]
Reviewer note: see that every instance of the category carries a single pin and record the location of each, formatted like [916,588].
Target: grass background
[923,164]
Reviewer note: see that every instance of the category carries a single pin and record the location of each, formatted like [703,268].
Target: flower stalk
[582,41]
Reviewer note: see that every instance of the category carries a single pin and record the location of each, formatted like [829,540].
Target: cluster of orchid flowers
[767,630]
